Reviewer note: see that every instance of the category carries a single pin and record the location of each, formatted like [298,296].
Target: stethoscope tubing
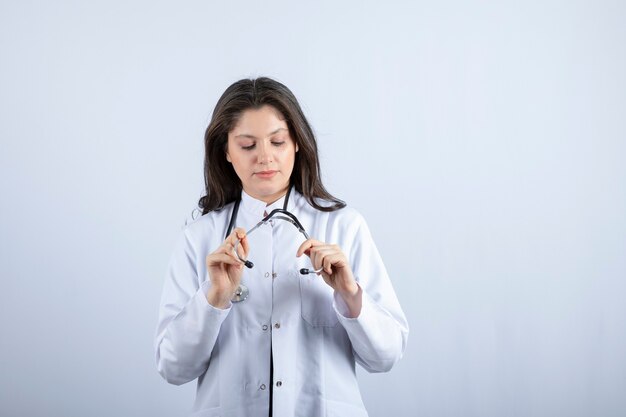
[278,213]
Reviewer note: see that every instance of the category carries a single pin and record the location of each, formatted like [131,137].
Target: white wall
[483,141]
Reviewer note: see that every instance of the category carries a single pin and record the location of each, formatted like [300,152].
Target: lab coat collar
[258,207]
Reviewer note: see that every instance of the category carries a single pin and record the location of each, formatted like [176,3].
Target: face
[262,153]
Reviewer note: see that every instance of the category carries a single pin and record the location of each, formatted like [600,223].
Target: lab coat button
[277,326]
[265,327]
[274,274]
[262,387]
[279,383]
[267,274]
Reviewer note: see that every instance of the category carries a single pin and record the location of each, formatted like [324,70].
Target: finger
[240,252]
[239,233]
[335,259]
[236,235]
[327,279]
[318,253]
[226,247]
[234,249]
[216,259]
[306,245]
[322,248]
[235,241]
[243,240]
[220,257]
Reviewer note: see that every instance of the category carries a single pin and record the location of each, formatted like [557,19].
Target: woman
[265,338]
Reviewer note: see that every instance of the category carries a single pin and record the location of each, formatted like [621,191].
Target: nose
[265,154]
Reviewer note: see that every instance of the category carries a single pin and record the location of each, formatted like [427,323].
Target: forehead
[263,121]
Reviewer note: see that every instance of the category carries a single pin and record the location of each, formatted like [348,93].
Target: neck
[269,199]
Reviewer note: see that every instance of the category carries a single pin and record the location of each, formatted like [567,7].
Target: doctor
[265,339]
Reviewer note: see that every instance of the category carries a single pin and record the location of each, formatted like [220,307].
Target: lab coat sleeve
[188,325]
[379,334]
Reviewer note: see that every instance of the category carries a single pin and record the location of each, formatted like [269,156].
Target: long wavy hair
[223,186]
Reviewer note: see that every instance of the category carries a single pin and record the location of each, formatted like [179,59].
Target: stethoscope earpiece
[306,271]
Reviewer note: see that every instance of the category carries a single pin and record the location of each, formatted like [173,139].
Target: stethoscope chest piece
[241,293]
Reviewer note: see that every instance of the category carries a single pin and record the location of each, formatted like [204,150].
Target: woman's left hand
[336,273]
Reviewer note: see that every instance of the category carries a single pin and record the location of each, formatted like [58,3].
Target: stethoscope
[242,292]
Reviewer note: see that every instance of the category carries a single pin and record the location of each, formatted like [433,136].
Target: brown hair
[223,186]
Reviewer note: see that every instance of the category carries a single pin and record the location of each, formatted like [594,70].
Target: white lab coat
[297,317]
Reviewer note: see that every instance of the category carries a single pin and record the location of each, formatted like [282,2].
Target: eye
[278,143]
[248,148]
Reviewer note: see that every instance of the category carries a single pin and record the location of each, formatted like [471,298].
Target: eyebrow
[245,135]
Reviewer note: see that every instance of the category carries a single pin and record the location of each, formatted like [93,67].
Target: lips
[266,174]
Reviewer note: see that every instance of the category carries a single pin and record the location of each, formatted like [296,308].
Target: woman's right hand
[225,269]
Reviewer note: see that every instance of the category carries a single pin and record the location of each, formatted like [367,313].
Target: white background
[484,142]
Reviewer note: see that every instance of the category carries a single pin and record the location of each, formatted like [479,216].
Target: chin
[269,191]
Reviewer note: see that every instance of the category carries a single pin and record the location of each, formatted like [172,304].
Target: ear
[227,155]
[297,149]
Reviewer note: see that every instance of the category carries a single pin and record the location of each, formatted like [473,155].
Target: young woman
[269,320]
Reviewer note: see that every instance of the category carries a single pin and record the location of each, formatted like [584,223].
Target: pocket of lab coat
[317,301]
